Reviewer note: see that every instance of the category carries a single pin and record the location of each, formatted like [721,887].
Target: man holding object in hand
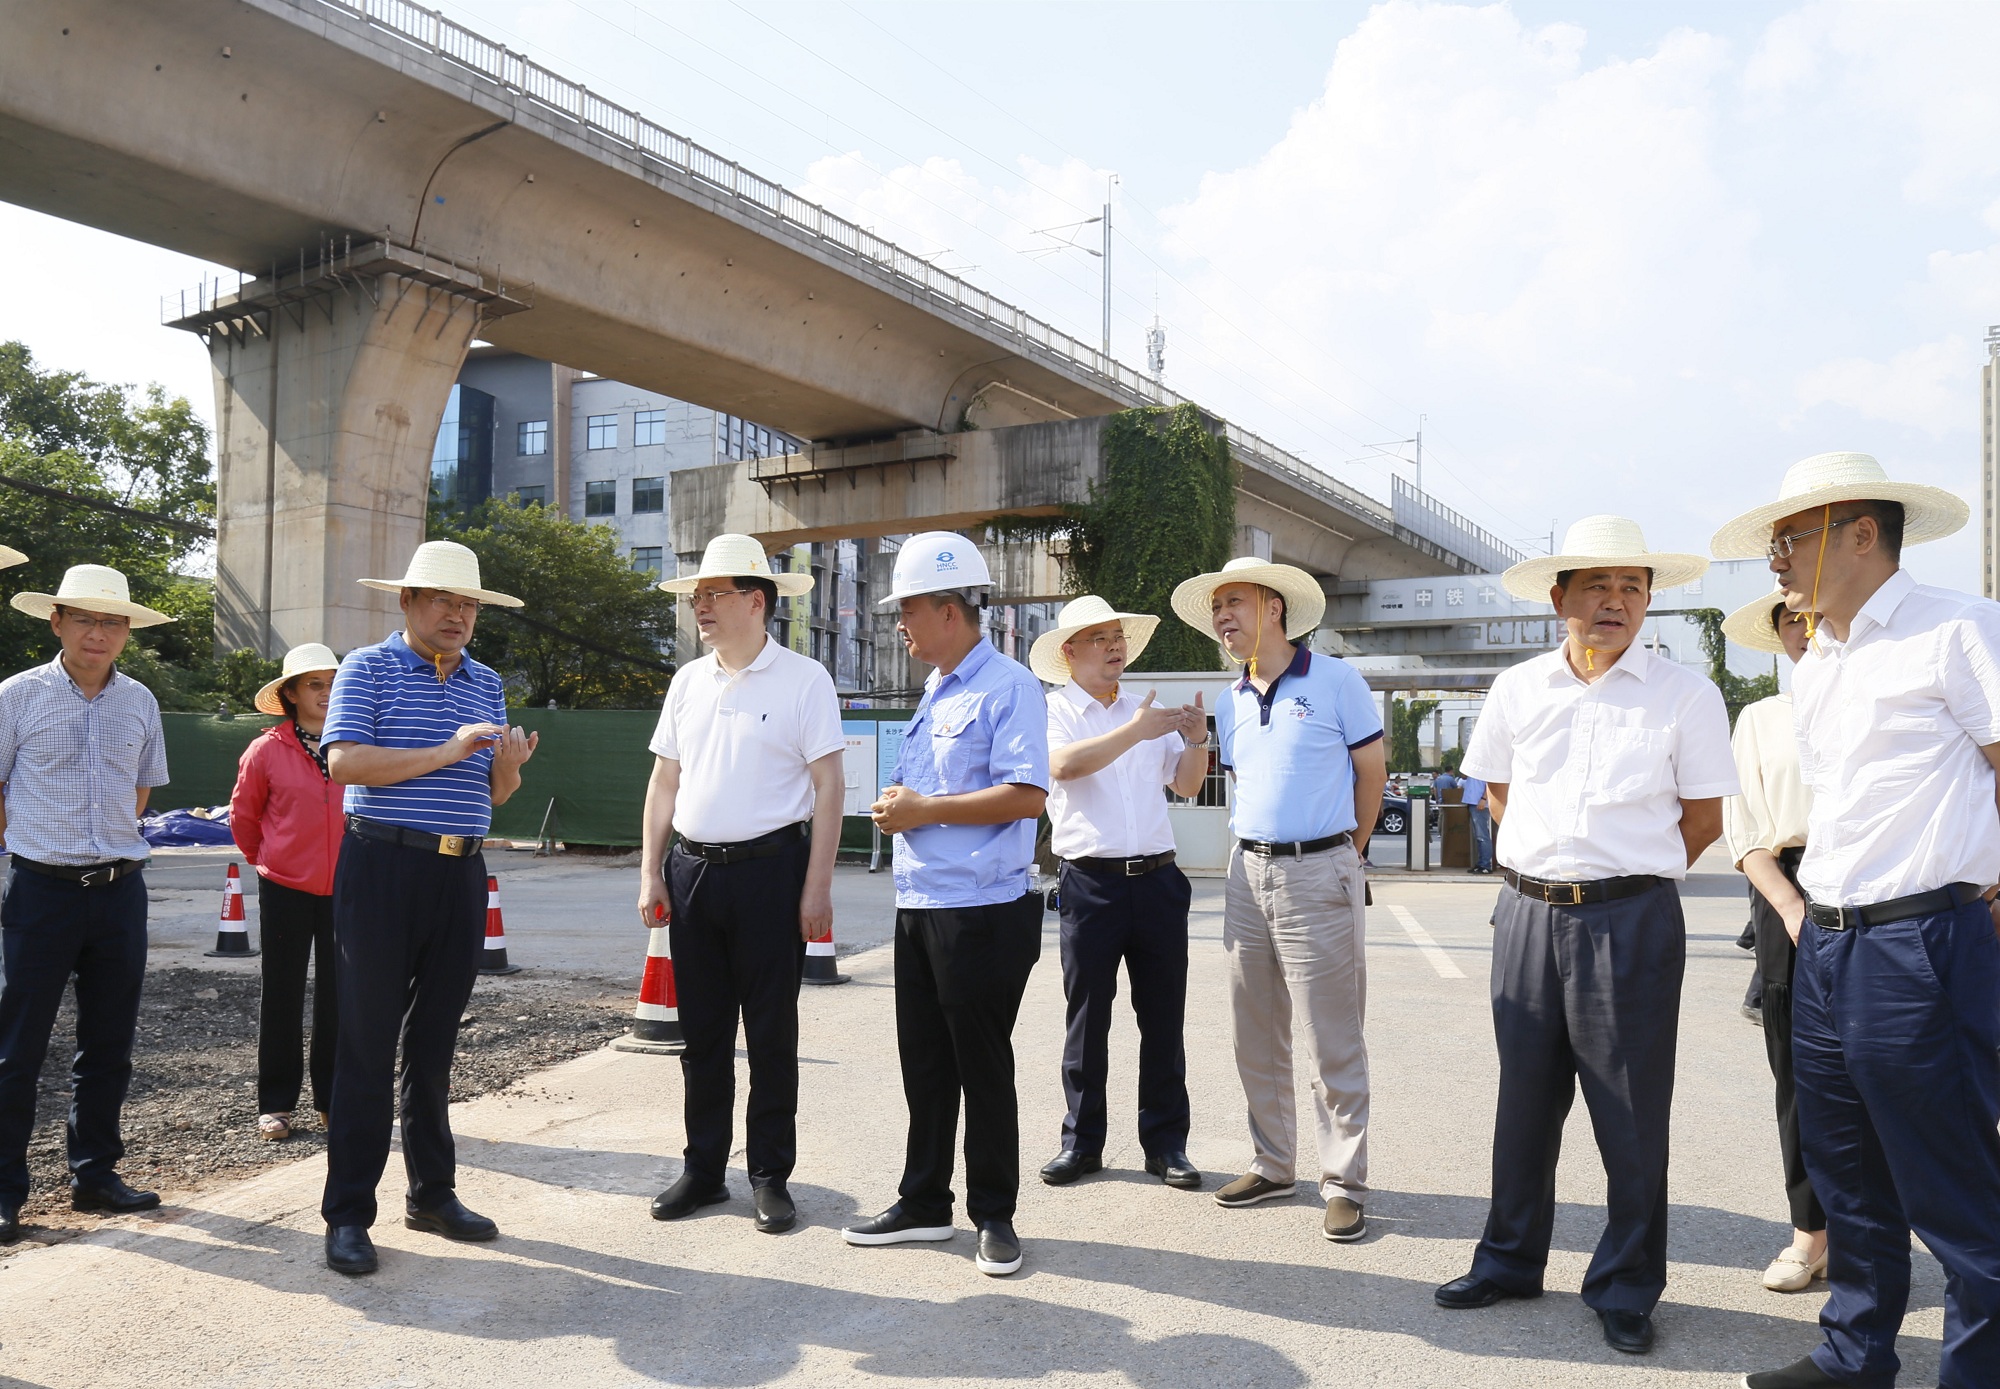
[417,732]
[1122,897]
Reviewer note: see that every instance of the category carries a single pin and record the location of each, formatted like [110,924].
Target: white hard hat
[939,562]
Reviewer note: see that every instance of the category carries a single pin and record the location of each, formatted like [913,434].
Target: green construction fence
[588,774]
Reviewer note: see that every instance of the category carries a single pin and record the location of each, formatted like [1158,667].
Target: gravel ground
[191,1119]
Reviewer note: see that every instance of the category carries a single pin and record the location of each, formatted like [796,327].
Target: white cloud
[1932,387]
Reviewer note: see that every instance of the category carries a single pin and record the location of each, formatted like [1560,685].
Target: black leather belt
[763,846]
[1938,899]
[93,875]
[1123,867]
[1580,894]
[450,845]
[1299,850]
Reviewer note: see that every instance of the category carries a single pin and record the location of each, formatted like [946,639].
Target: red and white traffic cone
[656,1022]
[232,931]
[820,968]
[494,960]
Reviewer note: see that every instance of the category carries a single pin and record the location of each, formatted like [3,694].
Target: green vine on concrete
[1406,724]
[1738,693]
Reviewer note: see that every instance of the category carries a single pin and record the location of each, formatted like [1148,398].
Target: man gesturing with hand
[1111,758]
[417,732]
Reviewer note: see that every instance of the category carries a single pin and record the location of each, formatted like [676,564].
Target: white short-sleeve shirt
[1890,724]
[746,741]
[1120,811]
[1595,773]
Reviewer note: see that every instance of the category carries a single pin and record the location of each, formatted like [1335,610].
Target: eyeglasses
[1781,545]
[84,622]
[710,595]
[1104,641]
[454,604]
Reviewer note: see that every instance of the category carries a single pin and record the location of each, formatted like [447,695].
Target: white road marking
[1446,967]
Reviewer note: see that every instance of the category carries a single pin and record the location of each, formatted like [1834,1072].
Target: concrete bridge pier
[330,383]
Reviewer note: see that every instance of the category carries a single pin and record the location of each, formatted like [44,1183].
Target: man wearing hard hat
[417,732]
[970,781]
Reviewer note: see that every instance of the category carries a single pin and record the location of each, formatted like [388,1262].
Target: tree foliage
[1166,509]
[1406,723]
[584,605]
[1738,693]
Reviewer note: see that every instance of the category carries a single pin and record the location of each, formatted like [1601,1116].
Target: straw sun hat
[1046,657]
[1755,623]
[300,660]
[447,566]
[1601,542]
[1827,479]
[91,588]
[9,557]
[738,556]
[1305,601]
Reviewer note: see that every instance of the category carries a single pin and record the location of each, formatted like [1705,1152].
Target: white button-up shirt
[1771,813]
[1595,773]
[1120,811]
[746,741]
[1890,726]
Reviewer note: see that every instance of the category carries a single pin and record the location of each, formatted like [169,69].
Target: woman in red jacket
[285,815]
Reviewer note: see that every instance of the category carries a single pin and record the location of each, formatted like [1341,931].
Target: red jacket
[284,814]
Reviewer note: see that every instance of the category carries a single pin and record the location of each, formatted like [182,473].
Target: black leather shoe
[775,1211]
[1464,1294]
[1175,1170]
[685,1196]
[109,1193]
[1631,1332]
[1069,1164]
[1800,1374]
[10,1222]
[453,1221]
[999,1252]
[895,1226]
[349,1250]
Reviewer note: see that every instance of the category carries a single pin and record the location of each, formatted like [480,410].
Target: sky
[1634,258]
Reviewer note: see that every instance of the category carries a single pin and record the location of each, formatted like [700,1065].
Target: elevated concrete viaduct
[415,185]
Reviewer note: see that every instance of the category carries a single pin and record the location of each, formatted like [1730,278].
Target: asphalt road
[1126,1281]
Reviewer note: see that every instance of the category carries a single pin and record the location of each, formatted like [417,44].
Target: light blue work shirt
[985,724]
[1474,790]
[1291,747]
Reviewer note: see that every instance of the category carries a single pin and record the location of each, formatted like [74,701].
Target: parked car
[1394,817]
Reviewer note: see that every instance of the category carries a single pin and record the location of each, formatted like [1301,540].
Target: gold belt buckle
[453,844]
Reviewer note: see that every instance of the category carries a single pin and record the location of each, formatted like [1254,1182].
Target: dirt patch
[191,1119]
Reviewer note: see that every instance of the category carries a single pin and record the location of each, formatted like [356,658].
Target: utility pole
[1110,184]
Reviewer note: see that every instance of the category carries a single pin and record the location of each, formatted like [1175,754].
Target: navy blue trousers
[1143,923]
[738,953]
[408,930]
[51,929]
[1896,1051]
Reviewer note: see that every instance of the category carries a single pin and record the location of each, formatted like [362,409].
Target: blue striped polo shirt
[388,696]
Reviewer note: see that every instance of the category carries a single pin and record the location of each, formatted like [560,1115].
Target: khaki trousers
[1294,935]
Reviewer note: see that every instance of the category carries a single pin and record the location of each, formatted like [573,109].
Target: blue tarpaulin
[198,826]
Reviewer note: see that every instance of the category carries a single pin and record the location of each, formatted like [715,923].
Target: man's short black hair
[763,586]
[1563,576]
[1283,614]
[1888,522]
[967,609]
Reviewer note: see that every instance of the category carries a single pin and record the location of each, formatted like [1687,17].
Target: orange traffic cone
[656,1022]
[820,968]
[232,932]
[494,961]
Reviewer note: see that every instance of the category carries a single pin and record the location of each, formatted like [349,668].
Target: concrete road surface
[1126,1281]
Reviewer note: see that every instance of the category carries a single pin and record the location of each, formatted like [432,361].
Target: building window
[603,430]
[1454,598]
[649,494]
[1423,598]
[531,437]
[600,498]
[532,496]
[646,559]
[649,427]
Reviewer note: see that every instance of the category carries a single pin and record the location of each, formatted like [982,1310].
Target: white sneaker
[1793,1272]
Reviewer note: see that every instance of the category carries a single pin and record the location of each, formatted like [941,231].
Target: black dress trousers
[1142,922]
[295,929]
[738,952]
[1591,994]
[1777,958]
[960,974]
[408,928]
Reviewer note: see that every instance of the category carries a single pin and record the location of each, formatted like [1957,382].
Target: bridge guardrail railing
[448,39]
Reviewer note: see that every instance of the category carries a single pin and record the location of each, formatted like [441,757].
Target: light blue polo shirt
[1290,749]
[985,724]
[388,696]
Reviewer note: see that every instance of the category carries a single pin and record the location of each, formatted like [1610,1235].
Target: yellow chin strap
[1589,659]
[1250,662]
[436,658]
[1812,614]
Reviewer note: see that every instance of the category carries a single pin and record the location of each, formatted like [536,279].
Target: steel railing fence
[429,30]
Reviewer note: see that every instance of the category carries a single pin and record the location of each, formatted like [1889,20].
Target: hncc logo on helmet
[946,562]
